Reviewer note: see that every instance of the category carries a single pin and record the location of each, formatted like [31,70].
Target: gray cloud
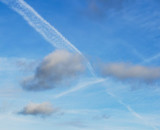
[42,109]
[56,69]
[127,71]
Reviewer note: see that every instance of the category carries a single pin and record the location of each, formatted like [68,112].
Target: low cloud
[56,69]
[42,109]
[127,71]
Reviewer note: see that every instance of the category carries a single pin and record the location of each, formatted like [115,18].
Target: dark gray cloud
[42,109]
[56,69]
[127,71]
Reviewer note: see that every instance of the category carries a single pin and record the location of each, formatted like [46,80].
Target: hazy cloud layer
[57,68]
[126,71]
[43,109]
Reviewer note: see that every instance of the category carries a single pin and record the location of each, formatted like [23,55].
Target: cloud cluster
[42,109]
[127,71]
[56,69]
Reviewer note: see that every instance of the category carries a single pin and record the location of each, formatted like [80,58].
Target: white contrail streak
[43,27]
[80,86]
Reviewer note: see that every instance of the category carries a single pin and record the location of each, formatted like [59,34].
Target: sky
[79,64]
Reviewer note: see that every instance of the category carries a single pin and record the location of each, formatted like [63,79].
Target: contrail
[100,80]
[44,28]
[80,86]
[151,58]
[131,110]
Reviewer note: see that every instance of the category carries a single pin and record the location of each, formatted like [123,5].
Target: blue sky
[46,82]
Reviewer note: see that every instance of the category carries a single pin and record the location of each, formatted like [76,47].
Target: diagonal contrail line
[49,32]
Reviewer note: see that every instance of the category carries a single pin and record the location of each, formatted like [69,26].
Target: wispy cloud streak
[49,32]
[80,86]
[152,58]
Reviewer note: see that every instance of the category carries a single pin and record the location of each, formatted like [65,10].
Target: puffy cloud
[43,109]
[57,68]
[127,71]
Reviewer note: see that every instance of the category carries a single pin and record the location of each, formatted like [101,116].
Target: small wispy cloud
[41,109]
[57,68]
[101,117]
[99,8]
[75,123]
[16,63]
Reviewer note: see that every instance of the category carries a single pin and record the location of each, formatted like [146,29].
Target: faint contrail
[151,58]
[131,110]
[80,86]
[43,27]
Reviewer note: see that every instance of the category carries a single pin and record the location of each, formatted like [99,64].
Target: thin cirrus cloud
[57,68]
[38,109]
[99,8]
[78,124]
[127,71]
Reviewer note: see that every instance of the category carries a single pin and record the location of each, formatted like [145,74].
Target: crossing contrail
[49,32]
[80,86]
[101,80]
[134,113]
